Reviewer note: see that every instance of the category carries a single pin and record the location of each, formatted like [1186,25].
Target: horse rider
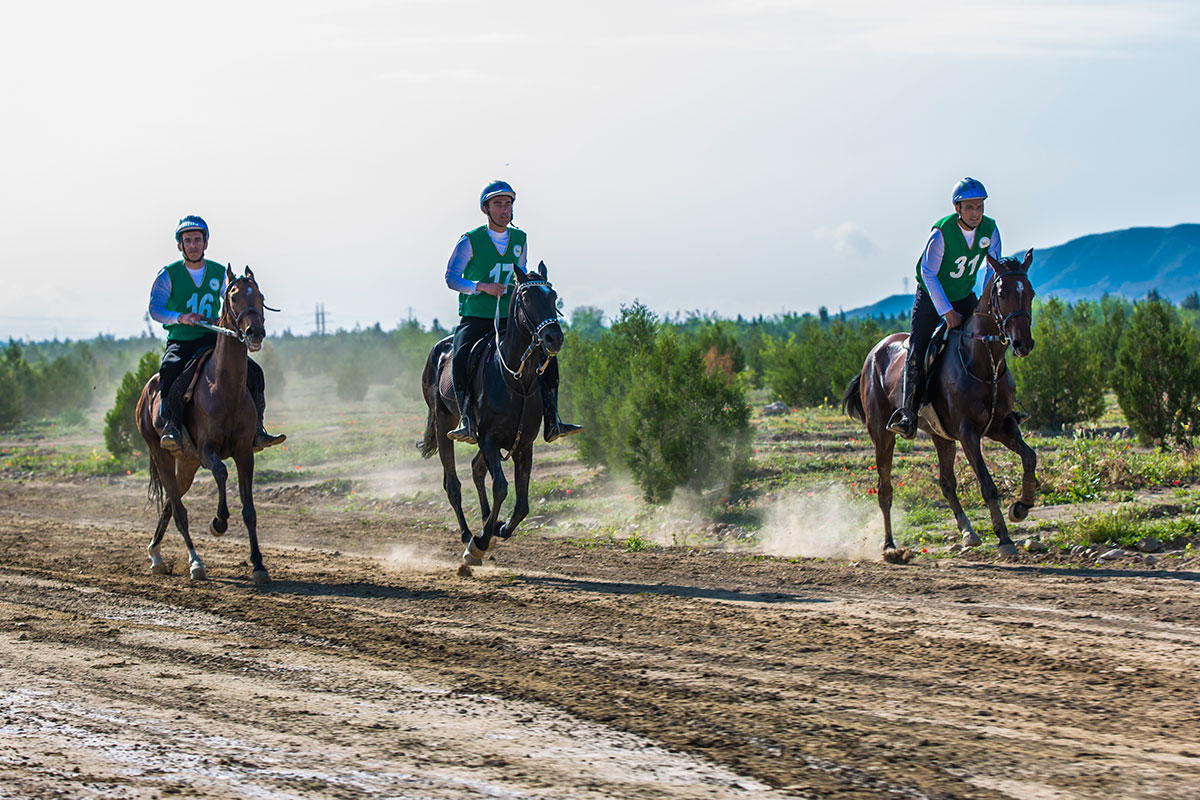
[185,295]
[946,273]
[481,271]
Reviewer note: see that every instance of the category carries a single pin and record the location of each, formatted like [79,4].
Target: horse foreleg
[450,481]
[522,467]
[208,459]
[1010,436]
[479,545]
[970,439]
[949,485]
[245,468]
[478,474]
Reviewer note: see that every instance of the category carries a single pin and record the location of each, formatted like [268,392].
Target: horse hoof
[971,539]
[897,555]
[473,556]
[199,573]
[260,577]
[1018,511]
[218,526]
[160,568]
[1007,550]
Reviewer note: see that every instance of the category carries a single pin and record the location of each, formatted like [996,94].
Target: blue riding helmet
[496,189]
[969,189]
[190,223]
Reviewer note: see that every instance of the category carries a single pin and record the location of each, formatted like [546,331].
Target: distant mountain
[1128,263]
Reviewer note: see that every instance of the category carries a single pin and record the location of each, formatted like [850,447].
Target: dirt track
[367,668]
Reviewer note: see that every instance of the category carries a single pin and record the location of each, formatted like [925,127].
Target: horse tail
[154,490]
[852,399]
[429,387]
[429,442]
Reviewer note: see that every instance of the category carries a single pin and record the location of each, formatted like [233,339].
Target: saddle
[925,410]
[183,388]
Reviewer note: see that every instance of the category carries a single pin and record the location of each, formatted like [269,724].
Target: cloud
[850,241]
[429,76]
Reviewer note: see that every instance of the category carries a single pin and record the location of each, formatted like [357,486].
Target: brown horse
[970,395]
[220,423]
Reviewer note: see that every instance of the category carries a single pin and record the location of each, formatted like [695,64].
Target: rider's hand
[189,318]
[953,319]
[494,289]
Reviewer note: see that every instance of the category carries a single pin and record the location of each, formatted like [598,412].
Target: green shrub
[1157,381]
[651,404]
[121,435]
[814,364]
[1060,381]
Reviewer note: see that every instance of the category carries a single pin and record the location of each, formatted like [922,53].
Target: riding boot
[903,421]
[554,428]
[172,440]
[262,439]
[465,432]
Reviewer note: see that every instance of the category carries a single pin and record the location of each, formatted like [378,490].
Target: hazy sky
[733,156]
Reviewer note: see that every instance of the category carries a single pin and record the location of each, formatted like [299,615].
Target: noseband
[535,334]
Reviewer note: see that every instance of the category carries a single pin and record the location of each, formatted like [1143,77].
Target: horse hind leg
[479,475]
[450,481]
[183,482]
[949,485]
[157,565]
[885,444]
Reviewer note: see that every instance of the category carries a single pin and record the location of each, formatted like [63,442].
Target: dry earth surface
[368,668]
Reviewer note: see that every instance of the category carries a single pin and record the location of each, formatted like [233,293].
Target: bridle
[1002,337]
[236,332]
[535,341]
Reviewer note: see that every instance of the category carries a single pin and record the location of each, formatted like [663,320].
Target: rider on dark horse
[946,275]
[481,271]
[186,294]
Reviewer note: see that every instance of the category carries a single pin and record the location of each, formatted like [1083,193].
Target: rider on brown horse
[186,295]
[481,271]
[946,275]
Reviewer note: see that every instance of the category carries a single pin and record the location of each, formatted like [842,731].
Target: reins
[1002,338]
[515,377]
[236,333]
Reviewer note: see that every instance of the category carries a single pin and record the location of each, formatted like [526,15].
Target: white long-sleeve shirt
[462,254]
[931,263]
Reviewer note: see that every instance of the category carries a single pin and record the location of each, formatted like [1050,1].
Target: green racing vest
[960,263]
[489,265]
[186,296]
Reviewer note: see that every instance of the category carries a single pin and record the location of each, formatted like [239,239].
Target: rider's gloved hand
[953,319]
[494,289]
[189,318]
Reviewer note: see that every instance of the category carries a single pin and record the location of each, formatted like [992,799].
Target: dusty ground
[367,668]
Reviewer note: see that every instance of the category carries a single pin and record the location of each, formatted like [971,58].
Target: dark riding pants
[179,352]
[924,320]
[469,331]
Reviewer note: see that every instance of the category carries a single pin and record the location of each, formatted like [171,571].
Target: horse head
[1008,298]
[534,309]
[242,310]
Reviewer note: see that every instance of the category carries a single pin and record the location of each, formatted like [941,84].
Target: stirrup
[463,432]
[903,423]
[171,440]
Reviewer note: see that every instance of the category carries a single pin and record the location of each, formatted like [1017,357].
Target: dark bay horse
[221,420]
[506,384]
[970,395]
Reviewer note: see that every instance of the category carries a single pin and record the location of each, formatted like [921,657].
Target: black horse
[505,380]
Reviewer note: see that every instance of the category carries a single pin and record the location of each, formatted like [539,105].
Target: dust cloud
[824,523]
[412,558]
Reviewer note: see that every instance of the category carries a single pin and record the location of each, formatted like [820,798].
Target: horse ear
[520,274]
[542,269]
[993,263]
[248,273]
[1028,259]
[229,276]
